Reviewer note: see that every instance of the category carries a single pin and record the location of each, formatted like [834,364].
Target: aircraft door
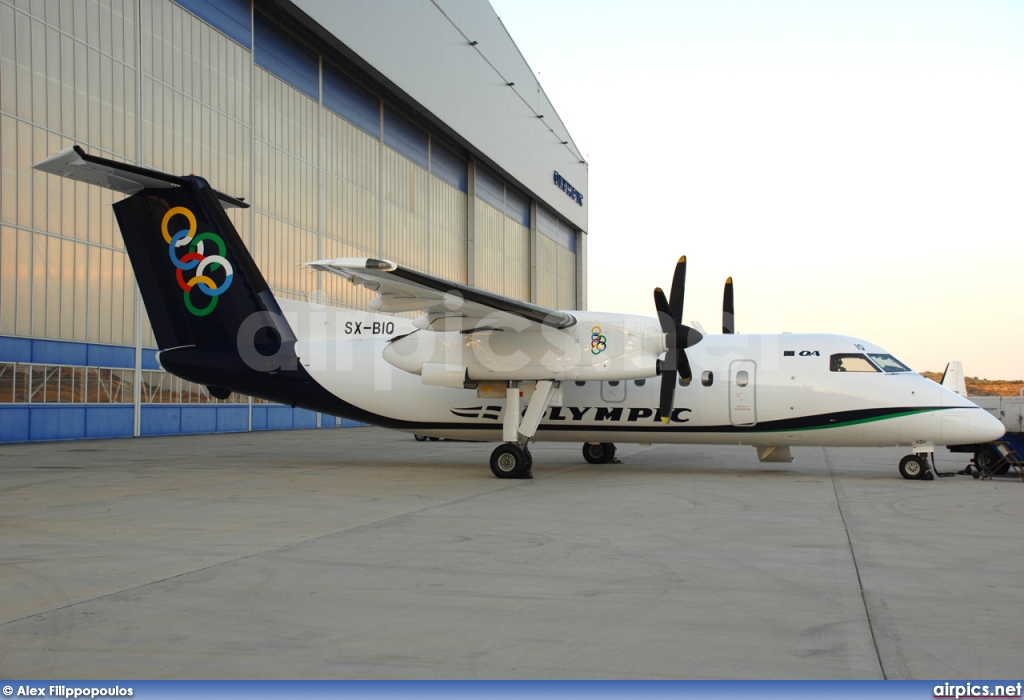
[742,392]
[613,391]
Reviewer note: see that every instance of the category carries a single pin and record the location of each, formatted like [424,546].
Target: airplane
[480,366]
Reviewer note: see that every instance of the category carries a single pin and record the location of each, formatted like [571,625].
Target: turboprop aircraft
[481,366]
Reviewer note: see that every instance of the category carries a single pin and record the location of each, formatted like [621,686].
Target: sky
[856,166]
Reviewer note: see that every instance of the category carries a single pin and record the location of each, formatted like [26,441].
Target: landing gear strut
[512,460]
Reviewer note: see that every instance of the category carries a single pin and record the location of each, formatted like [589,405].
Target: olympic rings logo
[196,261]
[597,341]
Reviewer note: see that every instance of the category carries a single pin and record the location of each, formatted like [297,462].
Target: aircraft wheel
[600,453]
[913,467]
[510,461]
[986,460]
[420,438]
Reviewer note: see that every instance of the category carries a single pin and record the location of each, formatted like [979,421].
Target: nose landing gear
[915,467]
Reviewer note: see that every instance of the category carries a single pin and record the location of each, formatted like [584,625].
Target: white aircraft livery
[480,366]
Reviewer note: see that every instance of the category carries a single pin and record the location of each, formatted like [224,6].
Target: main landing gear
[512,460]
[598,452]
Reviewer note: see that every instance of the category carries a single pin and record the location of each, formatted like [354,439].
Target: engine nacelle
[451,376]
[598,347]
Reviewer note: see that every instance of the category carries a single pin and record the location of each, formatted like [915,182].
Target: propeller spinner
[677,338]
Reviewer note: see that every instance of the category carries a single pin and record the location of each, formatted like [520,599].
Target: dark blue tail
[215,319]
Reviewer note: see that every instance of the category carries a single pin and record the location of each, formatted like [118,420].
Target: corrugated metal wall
[448,232]
[146,81]
[406,207]
[351,203]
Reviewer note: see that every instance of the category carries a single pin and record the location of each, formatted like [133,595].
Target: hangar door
[742,392]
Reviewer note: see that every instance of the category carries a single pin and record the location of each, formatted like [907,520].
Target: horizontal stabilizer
[75,164]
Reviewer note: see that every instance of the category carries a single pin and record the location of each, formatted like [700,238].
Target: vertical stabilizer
[213,314]
[953,378]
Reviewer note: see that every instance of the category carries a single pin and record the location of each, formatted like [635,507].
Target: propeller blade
[684,366]
[668,325]
[678,291]
[728,313]
[677,338]
[668,370]
[668,388]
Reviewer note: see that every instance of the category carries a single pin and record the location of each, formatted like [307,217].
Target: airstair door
[742,392]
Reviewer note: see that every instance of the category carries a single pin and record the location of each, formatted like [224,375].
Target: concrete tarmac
[360,553]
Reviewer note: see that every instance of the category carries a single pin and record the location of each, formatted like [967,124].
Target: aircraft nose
[985,427]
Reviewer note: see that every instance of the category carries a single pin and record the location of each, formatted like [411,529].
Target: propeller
[728,312]
[677,337]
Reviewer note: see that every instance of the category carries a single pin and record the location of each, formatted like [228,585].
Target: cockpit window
[888,363]
[851,362]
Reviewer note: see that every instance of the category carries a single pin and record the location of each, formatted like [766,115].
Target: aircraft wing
[401,289]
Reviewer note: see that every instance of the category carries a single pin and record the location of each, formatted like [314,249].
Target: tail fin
[198,281]
[211,309]
[953,378]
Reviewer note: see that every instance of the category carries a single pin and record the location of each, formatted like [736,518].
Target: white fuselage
[746,389]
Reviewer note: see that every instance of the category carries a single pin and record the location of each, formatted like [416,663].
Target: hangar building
[411,130]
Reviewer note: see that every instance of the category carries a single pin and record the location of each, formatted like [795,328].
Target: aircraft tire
[986,459]
[510,461]
[913,467]
[420,438]
[600,453]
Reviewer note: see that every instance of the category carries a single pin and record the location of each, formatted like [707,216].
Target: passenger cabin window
[683,381]
[708,378]
[851,362]
[639,382]
[742,378]
[888,363]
